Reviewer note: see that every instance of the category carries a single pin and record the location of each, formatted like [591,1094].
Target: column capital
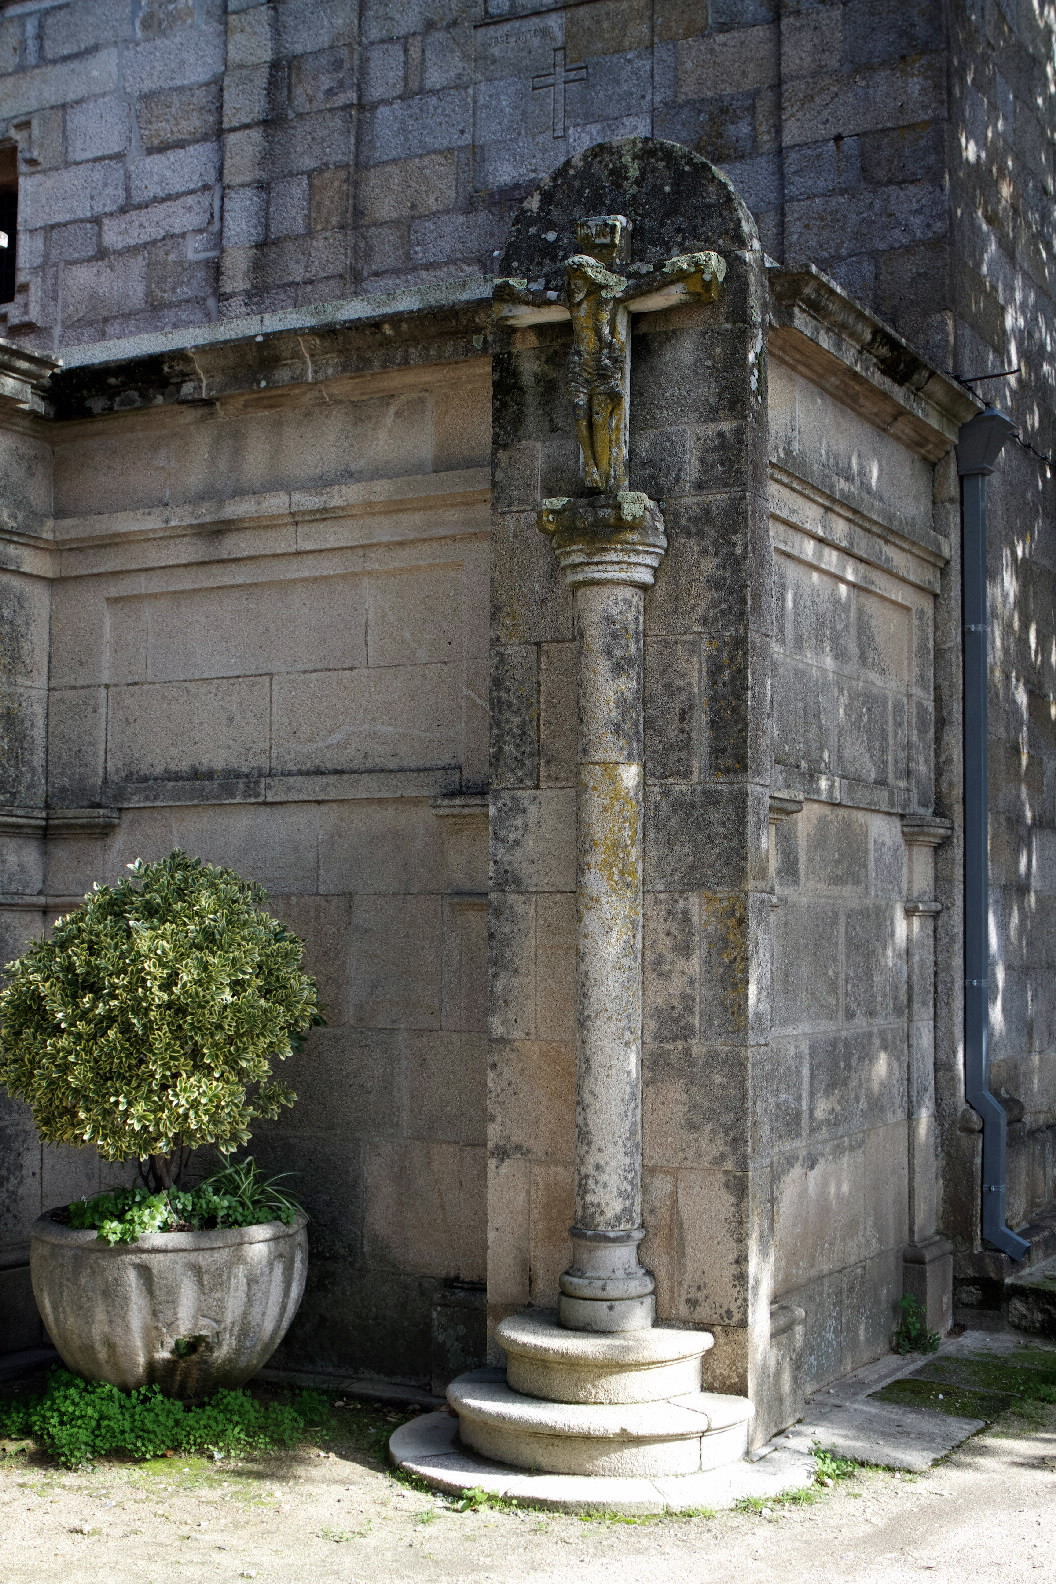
[925,830]
[616,538]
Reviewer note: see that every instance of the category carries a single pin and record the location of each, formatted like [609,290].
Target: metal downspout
[978,448]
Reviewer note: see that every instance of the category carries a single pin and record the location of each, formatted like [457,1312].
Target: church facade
[295,368]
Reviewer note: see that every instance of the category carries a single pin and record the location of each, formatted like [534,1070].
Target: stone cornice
[822,333]
[816,328]
[783,806]
[24,380]
[83,821]
[58,822]
[460,805]
[269,352]
[22,822]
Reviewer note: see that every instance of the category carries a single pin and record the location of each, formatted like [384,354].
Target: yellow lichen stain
[617,817]
[724,927]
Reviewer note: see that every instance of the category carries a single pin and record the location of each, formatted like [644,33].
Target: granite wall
[268,645]
[1000,302]
[184,160]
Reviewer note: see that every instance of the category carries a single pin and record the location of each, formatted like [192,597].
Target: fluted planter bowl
[187,1311]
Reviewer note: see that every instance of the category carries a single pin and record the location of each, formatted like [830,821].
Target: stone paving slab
[845,1418]
[428,1448]
[892,1436]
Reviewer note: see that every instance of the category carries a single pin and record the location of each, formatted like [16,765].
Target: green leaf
[152,1016]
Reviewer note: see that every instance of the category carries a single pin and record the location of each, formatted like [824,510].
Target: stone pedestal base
[546,1360]
[605,1288]
[428,1447]
[609,1405]
[680,1435]
[927,1275]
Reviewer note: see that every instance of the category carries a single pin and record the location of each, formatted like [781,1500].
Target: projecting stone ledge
[680,1435]
[546,1360]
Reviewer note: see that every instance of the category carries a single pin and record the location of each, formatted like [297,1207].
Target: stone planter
[187,1311]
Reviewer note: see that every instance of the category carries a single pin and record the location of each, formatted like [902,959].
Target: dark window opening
[8,221]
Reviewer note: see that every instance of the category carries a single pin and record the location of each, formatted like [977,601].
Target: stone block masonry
[186,163]
[116,114]
[247,158]
[190,697]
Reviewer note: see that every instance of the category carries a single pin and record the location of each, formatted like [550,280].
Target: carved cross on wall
[556,80]
[599,300]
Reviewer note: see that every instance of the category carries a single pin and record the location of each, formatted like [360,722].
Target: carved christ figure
[599,301]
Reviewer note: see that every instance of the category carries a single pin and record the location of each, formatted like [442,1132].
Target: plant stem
[161,1171]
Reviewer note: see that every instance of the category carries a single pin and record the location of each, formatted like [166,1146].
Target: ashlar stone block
[380,846]
[398,717]
[425,1207]
[23,734]
[97,127]
[513,964]
[551,1210]
[465,967]
[76,746]
[446,1080]
[532,1099]
[697,1106]
[178,115]
[533,840]
[818,1212]
[395,952]
[348,1072]
[807,987]
[189,729]
[864,733]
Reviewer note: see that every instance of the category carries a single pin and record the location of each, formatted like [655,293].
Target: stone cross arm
[640,288]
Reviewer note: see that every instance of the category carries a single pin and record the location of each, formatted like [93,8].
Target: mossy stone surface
[977,1385]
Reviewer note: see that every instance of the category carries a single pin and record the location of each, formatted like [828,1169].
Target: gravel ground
[338,1516]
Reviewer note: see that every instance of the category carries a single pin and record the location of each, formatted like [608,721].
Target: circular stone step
[429,1448]
[547,1360]
[680,1435]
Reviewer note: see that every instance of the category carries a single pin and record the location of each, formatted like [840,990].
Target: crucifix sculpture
[599,300]
[609,542]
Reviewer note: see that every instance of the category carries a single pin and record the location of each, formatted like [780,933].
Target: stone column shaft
[606,1288]
[609,620]
[609,548]
[927,1257]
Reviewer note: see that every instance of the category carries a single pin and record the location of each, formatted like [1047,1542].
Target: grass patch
[77,1422]
[913,1335]
[833,1466]
[979,1385]
[366,1427]
[766,1504]
[942,1397]
[830,1469]
[479,1500]
[980,1373]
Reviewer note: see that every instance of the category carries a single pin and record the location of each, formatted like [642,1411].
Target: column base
[546,1360]
[428,1447]
[626,1405]
[680,1435]
[606,1314]
[605,1288]
[927,1275]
